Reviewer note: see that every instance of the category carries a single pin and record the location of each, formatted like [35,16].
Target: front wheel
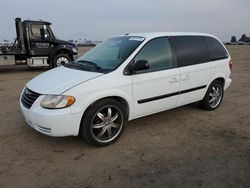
[61,59]
[103,122]
[213,97]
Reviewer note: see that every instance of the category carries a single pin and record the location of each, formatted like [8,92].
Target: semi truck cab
[36,45]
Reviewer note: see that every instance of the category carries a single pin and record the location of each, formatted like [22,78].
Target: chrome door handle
[173,80]
[185,77]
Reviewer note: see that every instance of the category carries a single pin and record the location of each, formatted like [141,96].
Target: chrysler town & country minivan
[124,78]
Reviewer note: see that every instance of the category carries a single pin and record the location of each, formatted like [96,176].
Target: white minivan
[124,78]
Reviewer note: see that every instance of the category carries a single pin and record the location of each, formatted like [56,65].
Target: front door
[157,88]
[40,36]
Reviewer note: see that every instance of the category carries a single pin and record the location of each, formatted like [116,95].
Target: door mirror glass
[141,65]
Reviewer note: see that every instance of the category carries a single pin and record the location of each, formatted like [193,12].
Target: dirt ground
[183,147]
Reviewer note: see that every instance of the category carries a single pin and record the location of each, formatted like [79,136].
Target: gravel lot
[183,147]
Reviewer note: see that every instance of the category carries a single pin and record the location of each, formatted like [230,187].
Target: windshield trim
[83,67]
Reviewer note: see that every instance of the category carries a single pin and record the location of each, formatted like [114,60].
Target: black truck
[36,46]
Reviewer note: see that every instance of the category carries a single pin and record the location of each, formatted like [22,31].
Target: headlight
[57,101]
[74,50]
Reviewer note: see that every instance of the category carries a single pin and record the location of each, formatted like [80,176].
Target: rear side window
[215,49]
[190,50]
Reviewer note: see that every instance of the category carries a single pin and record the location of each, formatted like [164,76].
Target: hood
[58,41]
[58,80]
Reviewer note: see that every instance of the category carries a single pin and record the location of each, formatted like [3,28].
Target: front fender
[86,100]
[68,49]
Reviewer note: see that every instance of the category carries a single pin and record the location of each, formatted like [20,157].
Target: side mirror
[141,65]
[43,35]
[137,66]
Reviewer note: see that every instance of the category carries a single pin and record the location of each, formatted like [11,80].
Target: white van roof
[162,34]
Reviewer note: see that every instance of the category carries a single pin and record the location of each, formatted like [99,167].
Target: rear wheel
[213,97]
[103,122]
[61,59]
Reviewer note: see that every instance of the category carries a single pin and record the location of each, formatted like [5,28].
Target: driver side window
[158,53]
[39,30]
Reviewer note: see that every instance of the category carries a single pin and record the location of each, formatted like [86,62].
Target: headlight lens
[74,50]
[57,101]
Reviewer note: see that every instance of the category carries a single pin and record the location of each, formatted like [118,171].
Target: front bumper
[60,122]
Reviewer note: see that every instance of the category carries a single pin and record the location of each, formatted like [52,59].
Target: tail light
[231,65]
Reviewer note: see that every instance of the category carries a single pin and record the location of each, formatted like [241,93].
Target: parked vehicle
[124,78]
[242,43]
[36,45]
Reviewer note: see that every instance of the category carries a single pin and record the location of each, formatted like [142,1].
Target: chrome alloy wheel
[215,95]
[61,61]
[107,124]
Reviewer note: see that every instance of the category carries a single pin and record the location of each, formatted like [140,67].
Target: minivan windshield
[108,55]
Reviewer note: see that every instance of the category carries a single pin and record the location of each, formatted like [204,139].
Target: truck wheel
[213,97]
[103,122]
[61,59]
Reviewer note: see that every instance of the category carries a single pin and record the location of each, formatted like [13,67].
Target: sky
[101,19]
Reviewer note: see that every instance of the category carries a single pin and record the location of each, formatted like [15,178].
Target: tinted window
[215,49]
[190,50]
[158,53]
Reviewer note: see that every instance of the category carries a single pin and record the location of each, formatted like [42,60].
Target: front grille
[29,97]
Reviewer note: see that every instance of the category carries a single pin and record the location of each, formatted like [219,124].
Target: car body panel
[58,80]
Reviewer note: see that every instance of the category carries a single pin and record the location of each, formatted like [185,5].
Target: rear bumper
[55,123]
[227,83]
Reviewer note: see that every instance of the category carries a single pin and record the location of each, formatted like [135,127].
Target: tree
[243,38]
[233,39]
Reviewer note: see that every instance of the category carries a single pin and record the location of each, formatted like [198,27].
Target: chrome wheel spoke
[109,113]
[217,90]
[102,132]
[98,125]
[114,118]
[101,116]
[114,125]
[109,132]
[211,100]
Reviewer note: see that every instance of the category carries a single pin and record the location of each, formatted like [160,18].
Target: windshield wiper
[85,62]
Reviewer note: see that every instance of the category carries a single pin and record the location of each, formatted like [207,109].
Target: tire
[213,97]
[60,59]
[103,122]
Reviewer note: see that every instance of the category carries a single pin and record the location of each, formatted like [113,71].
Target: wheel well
[64,51]
[221,80]
[119,99]
[123,102]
